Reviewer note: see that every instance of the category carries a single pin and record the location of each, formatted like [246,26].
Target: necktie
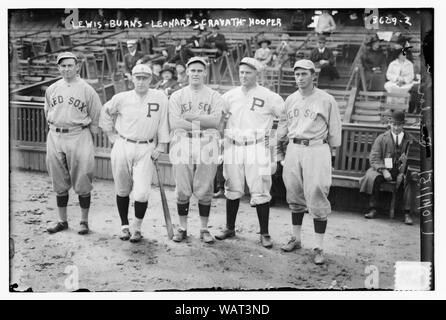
[397,144]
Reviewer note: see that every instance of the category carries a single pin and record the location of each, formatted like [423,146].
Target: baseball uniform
[140,125]
[246,155]
[72,111]
[194,154]
[313,125]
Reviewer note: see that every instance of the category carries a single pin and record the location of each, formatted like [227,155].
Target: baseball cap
[252,63]
[141,69]
[131,42]
[66,55]
[304,64]
[196,59]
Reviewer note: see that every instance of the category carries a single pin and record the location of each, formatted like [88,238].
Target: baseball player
[139,134]
[313,126]
[72,110]
[195,112]
[252,110]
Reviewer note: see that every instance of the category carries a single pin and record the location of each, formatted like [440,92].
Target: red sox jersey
[203,102]
[312,117]
[251,112]
[136,118]
[74,104]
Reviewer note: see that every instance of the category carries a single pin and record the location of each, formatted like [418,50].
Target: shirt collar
[400,137]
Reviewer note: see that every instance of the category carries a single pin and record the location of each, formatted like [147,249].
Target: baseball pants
[70,161]
[307,178]
[252,162]
[195,162]
[132,168]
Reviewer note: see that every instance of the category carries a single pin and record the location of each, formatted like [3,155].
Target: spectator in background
[182,77]
[168,84]
[325,24]
[218,41]
[263,54]
[281,56]
[131,57]
[323,59]
[182,53]
[374,63]
[298,21]
[400,75]
[198,40]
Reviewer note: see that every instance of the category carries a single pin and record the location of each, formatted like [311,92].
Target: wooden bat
[166,211]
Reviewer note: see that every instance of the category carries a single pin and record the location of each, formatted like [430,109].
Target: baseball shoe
[265,240]
[83,228]
[226,233]
[125,234]
[219,194]
[206,236]
[60,226]
[292,245]
[318,256]
[408,219]
[371,214]
[136,237]
[180,235]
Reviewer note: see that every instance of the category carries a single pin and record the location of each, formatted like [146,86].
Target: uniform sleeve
[277,105]
[163,127]
[46,104]
[376,157]
[226,104]
[108,113]
[409,73]
[94,110]
[282,132]
[334,125]
[212,120]
[175,120]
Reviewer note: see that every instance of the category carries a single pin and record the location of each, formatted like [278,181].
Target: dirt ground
[102,262]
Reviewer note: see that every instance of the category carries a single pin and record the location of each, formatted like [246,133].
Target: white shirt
[400,137]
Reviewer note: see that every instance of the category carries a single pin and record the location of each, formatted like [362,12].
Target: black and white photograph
[221,149]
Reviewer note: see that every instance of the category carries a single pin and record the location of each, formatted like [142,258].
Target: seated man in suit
[387,162]
[323,58]
[131,57]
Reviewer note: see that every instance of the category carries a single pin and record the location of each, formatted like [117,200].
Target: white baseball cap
[66,55]
[304,64]
[141,69]
[131,42]
[196,59]
[252,63]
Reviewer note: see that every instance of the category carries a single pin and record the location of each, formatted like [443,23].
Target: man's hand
[323,61]
[112,137]
[155,154]
[387,175]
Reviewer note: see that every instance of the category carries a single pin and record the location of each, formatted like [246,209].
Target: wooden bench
[351,160]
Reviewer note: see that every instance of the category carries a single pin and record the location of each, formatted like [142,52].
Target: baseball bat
[166,211]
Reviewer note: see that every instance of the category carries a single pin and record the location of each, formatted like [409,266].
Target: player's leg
[142,180]
[60,177]
[203,186]
[316,170]
[183,174]
[233,172]
[122,176]
[80,159]
[375,198]
[293,181]
[258,178]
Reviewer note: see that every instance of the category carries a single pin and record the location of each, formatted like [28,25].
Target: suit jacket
[182,56]
[372,59]
[383,147]
[219,41]
[172,85]
[316,56]
[130,61]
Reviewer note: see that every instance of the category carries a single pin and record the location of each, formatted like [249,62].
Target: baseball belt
[246,143]
[308,142]
[136,141]
[66,130]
